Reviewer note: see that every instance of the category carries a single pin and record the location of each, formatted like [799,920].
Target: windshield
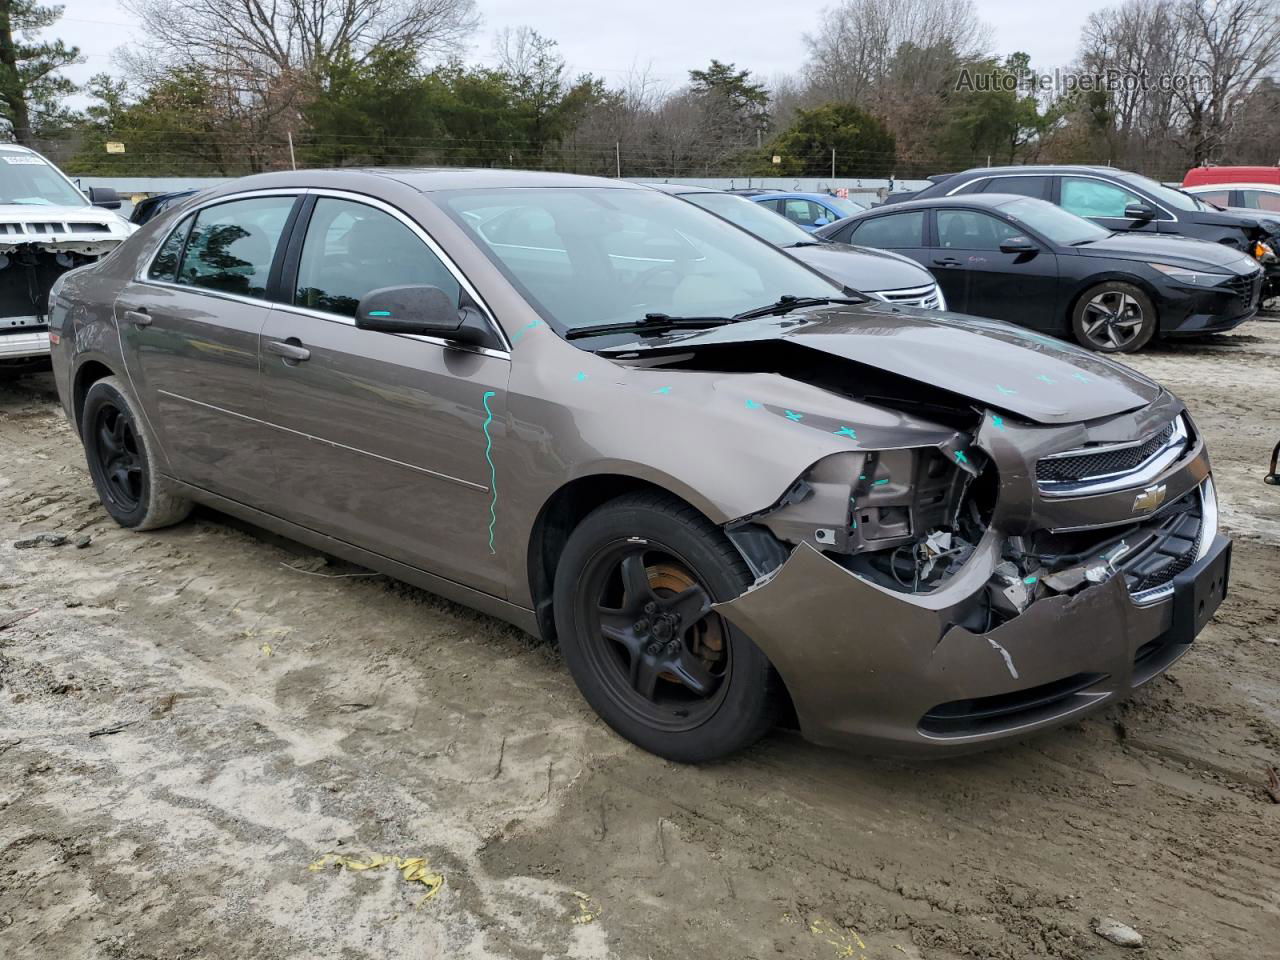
[1166,195]
[591,255]
[751,217]
[846,207]
[25,178]
[1052,222]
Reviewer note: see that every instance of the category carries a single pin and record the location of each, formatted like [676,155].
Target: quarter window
[232,244]
[1095,198]
[895,232]
[165,265]
[970,230]
[352,248]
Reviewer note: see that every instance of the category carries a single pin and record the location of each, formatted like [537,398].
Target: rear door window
[232,245]
[351,248]
[894,232]
[1026,186]
[1261,200]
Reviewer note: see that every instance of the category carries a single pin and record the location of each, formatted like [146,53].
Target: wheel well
[89,373]
[557,519]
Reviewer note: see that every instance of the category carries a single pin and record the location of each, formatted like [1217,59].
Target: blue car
[809,210]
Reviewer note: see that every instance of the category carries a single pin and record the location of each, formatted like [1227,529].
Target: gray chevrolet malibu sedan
[729,488]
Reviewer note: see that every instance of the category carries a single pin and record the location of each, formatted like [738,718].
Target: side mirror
[422,310]
[1019,245]
[1139,211]
[821,222]
[104,197]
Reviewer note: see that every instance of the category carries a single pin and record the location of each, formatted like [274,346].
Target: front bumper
[876,670]
[1194,311]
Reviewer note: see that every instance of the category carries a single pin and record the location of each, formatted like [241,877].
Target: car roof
[427,179]
[14,148]
[677,189]
[989,200]
[798,195]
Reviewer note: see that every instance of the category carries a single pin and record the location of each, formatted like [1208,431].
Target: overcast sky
[669,37]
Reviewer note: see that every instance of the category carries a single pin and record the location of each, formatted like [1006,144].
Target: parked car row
[726,484]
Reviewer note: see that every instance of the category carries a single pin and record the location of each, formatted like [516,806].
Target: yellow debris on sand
[412,869]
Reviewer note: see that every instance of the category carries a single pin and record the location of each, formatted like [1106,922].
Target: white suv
[47,227]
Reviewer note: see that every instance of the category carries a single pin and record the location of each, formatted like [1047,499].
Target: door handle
[946,262]
[291,349]
[139,318]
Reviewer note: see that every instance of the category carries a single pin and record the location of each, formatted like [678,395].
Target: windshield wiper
[650,323]
[788,302]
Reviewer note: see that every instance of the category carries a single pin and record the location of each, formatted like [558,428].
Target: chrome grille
[1106,467]
[926,296]
[1073,469]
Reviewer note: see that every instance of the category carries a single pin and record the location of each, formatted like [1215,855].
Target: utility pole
[293,161]
[617,157]
[833,163]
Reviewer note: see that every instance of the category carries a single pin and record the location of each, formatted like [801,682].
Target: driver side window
[351,248]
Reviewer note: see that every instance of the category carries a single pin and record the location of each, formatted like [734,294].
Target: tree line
[902,88]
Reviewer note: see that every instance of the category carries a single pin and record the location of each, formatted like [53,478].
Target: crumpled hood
[995,364]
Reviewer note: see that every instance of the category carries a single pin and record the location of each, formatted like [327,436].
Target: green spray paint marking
[881,483]
[1030,581]
[1043,379]
[794,417]
[493,473]
[1081,377]
[663,390]
[1005,390]
[960,457]
[847,432]
[580,377]
[997,422]
[523,330]
[379,313]
[752,405]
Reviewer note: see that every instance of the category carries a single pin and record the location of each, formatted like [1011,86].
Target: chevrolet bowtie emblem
[1149,499]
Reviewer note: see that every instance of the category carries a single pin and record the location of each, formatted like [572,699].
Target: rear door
[1019,287]
[381,438]
[190,327]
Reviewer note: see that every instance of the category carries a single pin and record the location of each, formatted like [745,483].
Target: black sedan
[1119,200]
[1029,262]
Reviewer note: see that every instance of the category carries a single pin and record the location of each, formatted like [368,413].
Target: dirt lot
[273,715]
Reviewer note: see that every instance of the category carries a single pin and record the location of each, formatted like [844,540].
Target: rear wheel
[633,595]
[1114,317]
[120,452]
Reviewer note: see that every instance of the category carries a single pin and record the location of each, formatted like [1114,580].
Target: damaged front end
[997,582]
[32,258]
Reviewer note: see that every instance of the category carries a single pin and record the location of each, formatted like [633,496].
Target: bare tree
[852,52]
[281,37]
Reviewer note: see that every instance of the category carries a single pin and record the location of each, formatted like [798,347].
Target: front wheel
[1114,317]
[633,595]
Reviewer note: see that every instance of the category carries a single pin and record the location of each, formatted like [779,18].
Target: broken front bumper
[873,669]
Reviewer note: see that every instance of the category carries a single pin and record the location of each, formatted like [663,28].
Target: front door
[986,282]
[190,331]
[382,440]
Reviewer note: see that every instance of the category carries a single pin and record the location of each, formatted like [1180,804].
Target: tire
[120,451]
[1114,317]
[690,689]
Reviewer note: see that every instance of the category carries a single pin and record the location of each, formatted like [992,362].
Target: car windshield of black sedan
[752,217]
[1053,223]
[585,256]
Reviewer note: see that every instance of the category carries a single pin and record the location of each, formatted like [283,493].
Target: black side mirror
[104,197]
[422,310]
[1019,245]
[1139,211]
